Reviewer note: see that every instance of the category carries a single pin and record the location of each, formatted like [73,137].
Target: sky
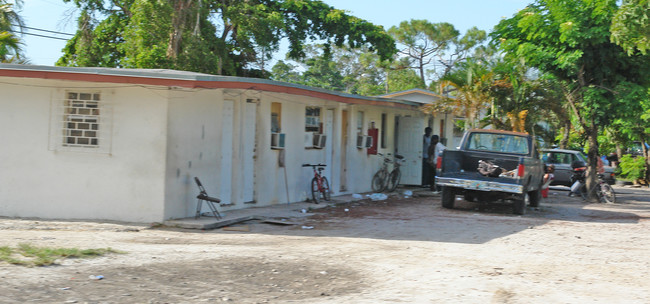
[60,17]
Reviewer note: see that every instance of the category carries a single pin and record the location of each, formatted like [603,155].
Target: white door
[248,127]
[328,130]
[409,145]
[225,185]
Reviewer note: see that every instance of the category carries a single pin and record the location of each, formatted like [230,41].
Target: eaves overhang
[191,80]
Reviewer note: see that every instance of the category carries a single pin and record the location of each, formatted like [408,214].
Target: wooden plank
[278,222]
[244,228]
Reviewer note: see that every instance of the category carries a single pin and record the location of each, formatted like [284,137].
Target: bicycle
[396,174]
[384,180]
[319,184]
[604,191]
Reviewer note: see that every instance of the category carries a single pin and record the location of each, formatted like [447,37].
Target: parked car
[562,160]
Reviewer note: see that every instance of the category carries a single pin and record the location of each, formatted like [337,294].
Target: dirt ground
[402,250]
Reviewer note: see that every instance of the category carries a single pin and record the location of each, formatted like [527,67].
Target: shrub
[632,168]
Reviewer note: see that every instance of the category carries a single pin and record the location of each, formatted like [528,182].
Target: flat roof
[175,78]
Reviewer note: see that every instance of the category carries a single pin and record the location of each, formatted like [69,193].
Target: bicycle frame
[318,176]
[319,183]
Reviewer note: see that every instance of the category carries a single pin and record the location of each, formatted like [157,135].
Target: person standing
[426,168]
[435,150]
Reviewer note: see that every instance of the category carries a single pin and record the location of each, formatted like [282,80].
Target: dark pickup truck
[492,165]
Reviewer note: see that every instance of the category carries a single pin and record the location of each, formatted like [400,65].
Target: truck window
[507,143]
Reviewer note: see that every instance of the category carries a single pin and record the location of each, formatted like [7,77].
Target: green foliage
[468,87]
[404,79]
[10,26]
[354,71]
[632,168]
[631,26]
[228,37]
[570,39]
[29,255]
[425,42]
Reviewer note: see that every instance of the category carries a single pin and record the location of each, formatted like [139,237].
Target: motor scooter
[577,177]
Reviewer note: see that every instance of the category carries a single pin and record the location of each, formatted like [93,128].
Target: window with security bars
[81,120]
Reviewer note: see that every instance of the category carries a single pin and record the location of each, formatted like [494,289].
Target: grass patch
[30,256]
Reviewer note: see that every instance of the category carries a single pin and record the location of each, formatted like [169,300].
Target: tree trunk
[592,169]
[178,24]
[564,142]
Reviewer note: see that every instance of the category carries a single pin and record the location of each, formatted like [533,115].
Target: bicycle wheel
[315,191]
[607,193]
[379,181]
[325,187]
[393,180]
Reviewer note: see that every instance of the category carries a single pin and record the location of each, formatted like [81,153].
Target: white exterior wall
[194,149]
[161,139]
[126,184]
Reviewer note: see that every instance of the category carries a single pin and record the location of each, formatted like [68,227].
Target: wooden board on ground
[278,222]
[244,228]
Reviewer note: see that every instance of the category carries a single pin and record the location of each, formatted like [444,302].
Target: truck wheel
[448,197]
[535,197]
[519,206]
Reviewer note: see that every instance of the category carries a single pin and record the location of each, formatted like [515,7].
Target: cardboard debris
[244,228]
[279,222]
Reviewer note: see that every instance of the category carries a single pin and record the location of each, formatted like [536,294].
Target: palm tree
[10,45]
[469,88]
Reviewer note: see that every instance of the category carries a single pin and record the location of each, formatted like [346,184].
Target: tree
[472,39]
[631,26]
[570,39]
[354,71]
[10,45]
[518,88]
[229,37]
[470,85]
[423,40]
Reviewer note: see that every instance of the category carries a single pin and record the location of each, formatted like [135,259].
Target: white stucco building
[125,145]
[443,124]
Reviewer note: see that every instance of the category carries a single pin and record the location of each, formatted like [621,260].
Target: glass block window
[81,121]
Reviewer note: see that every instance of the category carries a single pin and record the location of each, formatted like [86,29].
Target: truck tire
[535,198]
[519,206]
[448,197]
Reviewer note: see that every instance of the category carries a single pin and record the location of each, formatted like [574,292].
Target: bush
[632,168]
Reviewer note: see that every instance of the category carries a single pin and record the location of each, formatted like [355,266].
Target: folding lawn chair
[210,201]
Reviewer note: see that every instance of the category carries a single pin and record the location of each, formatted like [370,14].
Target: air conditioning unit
[309,139]
[368,141]
[277,140]
[319,141]
[361,141]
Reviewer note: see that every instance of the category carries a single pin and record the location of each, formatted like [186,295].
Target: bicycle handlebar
[310,165]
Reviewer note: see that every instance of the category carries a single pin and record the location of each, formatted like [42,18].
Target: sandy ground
[402,250]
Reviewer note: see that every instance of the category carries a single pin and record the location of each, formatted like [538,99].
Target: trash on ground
[307,227]
[94,277]
[378,196]
[244,228]
[346,209]
[357,196]
[408,192]
[278,222]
